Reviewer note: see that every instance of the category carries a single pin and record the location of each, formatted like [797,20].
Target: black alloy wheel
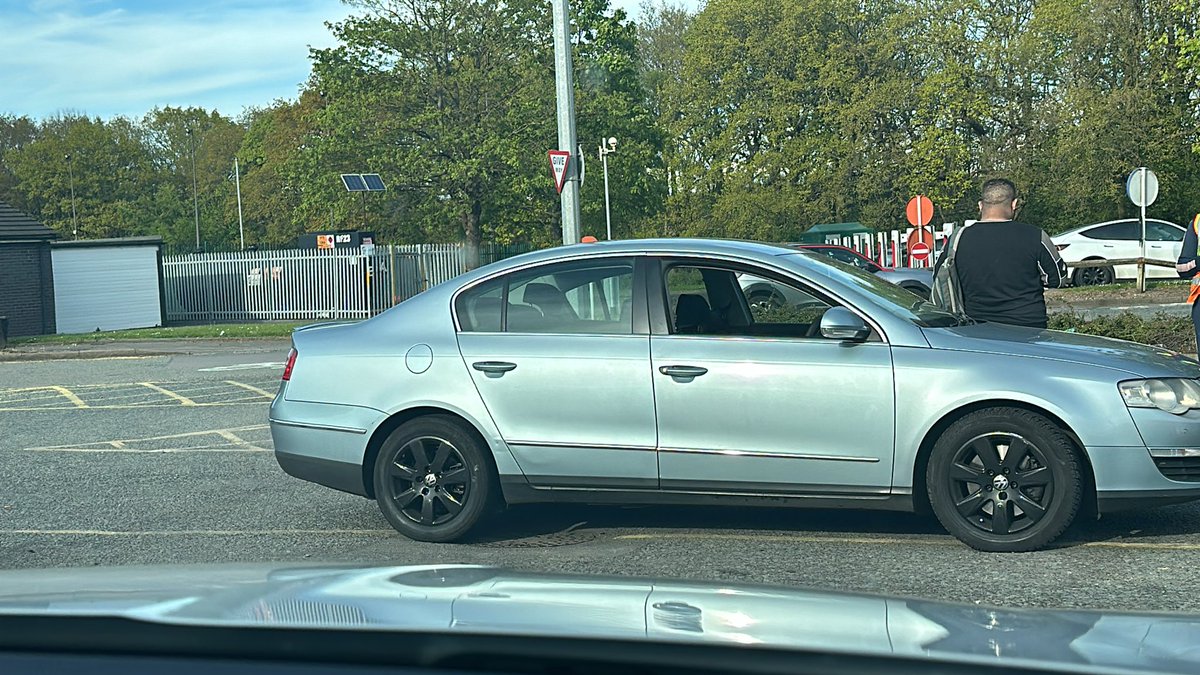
[1004,479]
[1093,276]
[432,480]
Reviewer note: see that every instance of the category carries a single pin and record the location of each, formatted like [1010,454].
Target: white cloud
[84,56]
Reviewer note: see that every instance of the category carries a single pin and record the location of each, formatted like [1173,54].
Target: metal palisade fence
[309,284]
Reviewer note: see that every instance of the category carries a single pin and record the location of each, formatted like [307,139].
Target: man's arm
[1054,270]
[1186,265]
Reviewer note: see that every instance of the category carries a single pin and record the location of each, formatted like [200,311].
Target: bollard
[3,332]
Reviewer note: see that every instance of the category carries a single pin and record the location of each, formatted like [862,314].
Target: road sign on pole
[920,251]
[1142,188]
[919,211]
[564,86]
[560,161]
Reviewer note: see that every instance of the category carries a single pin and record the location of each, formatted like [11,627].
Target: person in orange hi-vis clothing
[1186,266]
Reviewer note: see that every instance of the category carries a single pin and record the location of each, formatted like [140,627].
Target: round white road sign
[1142,186]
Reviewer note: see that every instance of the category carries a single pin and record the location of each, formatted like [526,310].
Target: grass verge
[219,330]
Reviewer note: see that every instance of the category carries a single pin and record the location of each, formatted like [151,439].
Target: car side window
[1158,231]
[706,300]
[480,308]
[593,297]
[1113,231]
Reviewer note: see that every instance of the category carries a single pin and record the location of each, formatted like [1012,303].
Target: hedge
[1165,330]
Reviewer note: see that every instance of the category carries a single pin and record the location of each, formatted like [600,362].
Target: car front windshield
[894,299]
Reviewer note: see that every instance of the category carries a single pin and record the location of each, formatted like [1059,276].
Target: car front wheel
[432,480]
[1004,480]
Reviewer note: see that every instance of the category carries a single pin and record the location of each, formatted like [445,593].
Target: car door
[560,356]
[753,399]
[1163,242]
[1116,241]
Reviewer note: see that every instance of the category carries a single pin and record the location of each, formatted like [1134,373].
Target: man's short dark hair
[998,191]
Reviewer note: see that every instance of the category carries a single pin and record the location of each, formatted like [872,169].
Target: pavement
[155,459]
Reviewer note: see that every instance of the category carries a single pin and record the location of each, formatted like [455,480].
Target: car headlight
[1175,396]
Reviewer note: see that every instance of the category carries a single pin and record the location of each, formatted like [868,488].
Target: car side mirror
[839,323]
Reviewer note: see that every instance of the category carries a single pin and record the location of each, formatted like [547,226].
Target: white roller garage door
[105,287]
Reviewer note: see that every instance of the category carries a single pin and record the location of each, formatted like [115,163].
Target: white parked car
[1116,240]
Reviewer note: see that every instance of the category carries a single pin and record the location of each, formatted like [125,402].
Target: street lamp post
[195,194]
[604,153]
[74,218]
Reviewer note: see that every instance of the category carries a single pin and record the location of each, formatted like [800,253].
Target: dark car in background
[915,279]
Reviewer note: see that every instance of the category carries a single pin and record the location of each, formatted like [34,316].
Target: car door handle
[683,371]
[493,367]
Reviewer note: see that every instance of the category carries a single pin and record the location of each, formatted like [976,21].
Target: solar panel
[354,182]
[374,182]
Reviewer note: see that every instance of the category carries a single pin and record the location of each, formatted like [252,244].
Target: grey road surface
[167,459]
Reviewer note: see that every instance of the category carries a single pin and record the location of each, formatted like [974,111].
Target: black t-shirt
[1002,268]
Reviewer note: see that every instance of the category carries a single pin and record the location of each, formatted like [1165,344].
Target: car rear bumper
[323,443]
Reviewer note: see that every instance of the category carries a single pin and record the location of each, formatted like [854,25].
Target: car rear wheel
[1092,276]
[433,481]
[1005,480]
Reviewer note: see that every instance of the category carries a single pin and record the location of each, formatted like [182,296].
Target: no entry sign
[920,251]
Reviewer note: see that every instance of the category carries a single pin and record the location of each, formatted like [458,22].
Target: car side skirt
[518,491]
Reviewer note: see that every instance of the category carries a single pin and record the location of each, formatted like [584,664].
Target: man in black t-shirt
[1003,264]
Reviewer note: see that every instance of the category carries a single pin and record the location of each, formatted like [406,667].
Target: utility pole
[237,181]
[564,85]
[195,194]
[74,218]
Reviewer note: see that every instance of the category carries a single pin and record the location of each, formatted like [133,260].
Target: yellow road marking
[133,406]
[238,440]
[252,388]
[124,443]
[70,396]
[152,451]
[183,400]
[193,533]
[783,538]
[924,541]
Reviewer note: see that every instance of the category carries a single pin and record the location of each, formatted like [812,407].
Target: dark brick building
[26,275]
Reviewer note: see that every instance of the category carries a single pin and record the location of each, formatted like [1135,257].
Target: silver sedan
[639,372]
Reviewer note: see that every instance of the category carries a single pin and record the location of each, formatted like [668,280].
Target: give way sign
[559,159]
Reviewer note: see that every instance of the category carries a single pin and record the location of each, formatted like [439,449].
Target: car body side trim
[310,425]
[770,455]
[607,446]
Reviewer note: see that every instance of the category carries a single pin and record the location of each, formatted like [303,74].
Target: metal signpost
[1142,188]
[564,86]
[604,153]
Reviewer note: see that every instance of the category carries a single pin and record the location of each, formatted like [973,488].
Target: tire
[916,289]
[1033,496]
[765,300]
[433,480]
[1092,276]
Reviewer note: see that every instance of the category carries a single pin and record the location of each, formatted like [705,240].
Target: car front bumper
[323,443]
[1166,470]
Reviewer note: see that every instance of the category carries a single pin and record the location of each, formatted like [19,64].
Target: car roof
[1113,222]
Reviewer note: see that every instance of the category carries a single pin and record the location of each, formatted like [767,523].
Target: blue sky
[125,57]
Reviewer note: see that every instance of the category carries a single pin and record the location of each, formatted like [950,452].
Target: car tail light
[1061,246]
[291,363]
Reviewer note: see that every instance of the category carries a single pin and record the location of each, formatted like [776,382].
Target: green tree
[104,162]
[447,99]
